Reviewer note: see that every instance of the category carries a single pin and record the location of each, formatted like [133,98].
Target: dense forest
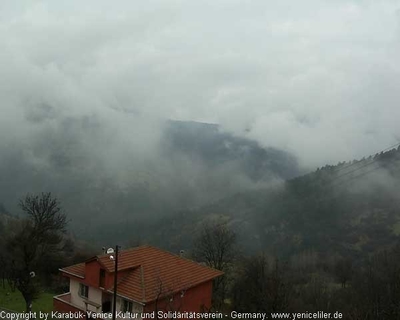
[190,165]
[327,241]
[351,209]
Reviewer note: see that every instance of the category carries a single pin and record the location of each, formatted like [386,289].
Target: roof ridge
[184,258]
[124,250]
[98,259]
[73,265]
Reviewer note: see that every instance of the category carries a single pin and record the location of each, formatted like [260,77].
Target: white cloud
[318,78]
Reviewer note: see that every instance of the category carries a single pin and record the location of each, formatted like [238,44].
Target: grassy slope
[14,300]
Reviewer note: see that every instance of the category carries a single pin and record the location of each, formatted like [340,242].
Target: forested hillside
[191,164]
[352,208]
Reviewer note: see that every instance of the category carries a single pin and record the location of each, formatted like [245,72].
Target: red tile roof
[152,272]
[77,270]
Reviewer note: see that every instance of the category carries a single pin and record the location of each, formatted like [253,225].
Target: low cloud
[316,78]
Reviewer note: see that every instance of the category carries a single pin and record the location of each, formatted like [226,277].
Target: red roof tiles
[153,272]
[77,270]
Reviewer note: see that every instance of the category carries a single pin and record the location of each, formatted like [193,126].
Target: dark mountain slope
[108,186]
[352,208]
[206,142]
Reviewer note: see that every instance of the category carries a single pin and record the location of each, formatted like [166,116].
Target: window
[102,278]
[83,291]
[126,306]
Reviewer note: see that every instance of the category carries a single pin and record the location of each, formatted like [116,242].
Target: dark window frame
[102,278]
[83,291]
[127,305]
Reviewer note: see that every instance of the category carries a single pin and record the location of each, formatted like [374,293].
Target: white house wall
[95,295]
[75,298]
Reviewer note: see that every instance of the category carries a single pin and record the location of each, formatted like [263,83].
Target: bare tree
[262,285]
[343,270]
[45,213]
[216,247]
[33,247]
[316,294]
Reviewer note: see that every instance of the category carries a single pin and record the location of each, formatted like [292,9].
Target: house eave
[71,273]
[127,298]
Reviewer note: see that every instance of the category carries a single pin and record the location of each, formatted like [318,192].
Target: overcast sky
[318,78]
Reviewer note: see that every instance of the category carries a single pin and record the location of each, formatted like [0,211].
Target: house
[148,279]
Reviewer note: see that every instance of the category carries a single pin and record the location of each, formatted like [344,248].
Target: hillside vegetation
[107,194]
[352,208]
